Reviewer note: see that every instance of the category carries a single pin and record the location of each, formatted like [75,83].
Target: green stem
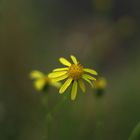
[59,105]
[46,108]
[99,120]
[50,114]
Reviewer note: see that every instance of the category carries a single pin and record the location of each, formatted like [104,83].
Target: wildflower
[75,74]
[100,83]
[100,86]
[41,80]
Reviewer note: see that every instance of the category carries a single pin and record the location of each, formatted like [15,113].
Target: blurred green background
[102,34]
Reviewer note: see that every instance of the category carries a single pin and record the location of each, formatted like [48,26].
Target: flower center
[75,71]
[47,80]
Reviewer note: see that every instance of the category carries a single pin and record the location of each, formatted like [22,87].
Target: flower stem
[50,114]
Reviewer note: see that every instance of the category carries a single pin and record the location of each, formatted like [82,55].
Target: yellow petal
[55,84]
[39,84]
[61,69]
[88,81]
[74,90]
[91,71]
[57,74]
[89,77]
[36,74]
[60,78]
[65,85]
[82,85]
[74,59]
[64,61]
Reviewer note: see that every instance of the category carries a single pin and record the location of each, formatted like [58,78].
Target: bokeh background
[102,34]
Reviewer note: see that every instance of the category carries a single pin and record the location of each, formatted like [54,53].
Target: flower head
[75,74]
[41,80]
[100,86]
[101,83]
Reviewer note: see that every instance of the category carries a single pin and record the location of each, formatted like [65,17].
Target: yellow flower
[41,80]
[100,83]
[75,74]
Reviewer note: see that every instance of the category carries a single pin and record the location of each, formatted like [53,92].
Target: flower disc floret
[75,71]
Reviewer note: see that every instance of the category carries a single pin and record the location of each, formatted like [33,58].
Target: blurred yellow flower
[75,74]
[101,83]
[41,80]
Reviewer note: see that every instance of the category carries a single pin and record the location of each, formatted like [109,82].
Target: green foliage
[135,135]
